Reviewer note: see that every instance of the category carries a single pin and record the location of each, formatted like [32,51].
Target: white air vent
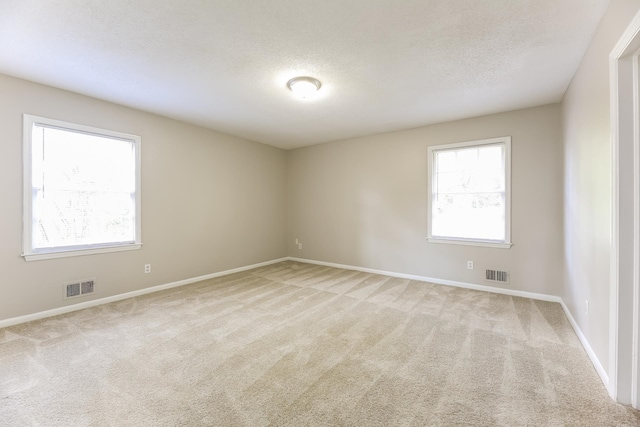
[78,289]
[497,276]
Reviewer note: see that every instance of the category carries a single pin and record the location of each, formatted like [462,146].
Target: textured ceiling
[384,64]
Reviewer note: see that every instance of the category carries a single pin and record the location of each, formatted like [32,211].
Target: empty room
[339,213]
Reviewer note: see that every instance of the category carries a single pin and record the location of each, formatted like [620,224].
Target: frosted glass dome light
[303,86]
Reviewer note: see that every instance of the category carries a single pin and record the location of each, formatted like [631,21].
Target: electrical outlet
[297,241]
[586,306]
[299,245]
[147,268]
[469,265]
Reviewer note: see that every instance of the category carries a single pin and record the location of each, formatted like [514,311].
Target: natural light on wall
[469,192]
[83,192]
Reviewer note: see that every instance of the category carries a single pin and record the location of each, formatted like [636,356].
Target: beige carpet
[303,345]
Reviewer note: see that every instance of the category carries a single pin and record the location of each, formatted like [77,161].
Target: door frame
[624,325]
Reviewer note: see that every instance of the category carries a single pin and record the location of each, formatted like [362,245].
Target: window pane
[75,218]
[470,216]
[78,161]
[83,189]
[469,192]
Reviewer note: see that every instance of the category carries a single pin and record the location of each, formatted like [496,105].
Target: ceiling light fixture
[304,86]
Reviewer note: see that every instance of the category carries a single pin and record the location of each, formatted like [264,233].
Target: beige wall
[587,181]
[363,202]
[213,202]
[210,202]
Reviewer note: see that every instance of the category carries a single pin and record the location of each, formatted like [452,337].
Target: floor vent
[78,289]
[497,276]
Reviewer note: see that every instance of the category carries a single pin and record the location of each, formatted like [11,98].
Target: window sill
[501,245]
[64,254]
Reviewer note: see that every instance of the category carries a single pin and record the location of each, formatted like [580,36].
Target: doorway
[624,363]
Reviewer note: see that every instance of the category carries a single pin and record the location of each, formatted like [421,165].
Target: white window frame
[29,253]
[506,243]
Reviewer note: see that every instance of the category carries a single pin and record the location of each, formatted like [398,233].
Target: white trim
[29,253]
[532,295]
[504,141]
[52,255]
[74,307]
[612,385]
[473,286]
[587,347]
[625,318]
[635,363]
[486,244]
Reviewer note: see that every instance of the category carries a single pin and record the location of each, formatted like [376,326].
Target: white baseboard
[552,298]
[511,292]
[69,308]
[587,347]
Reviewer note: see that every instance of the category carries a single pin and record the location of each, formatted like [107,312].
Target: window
[469,193]
[81,190]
